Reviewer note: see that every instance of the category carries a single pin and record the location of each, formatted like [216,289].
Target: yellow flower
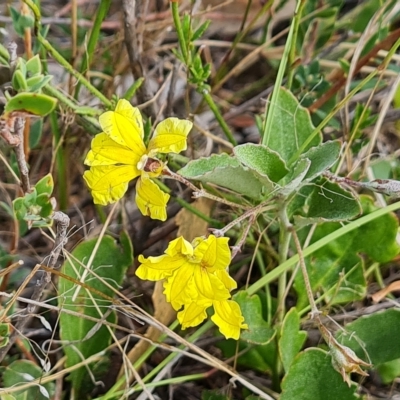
[196,279]
[118,155]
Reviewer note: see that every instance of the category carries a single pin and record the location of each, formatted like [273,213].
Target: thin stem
[292,52]
[314,309]
[270,110]
[102,11]
[179,30]
[210,102]
[199,192]
[19,125]
[62,223]
[284,241]
[60,59]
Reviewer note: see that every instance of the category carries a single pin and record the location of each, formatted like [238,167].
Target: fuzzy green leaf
[21,372]
[376,335]
[291,127]
[261,160]
[312,376]
[84,338]
[259,332]
[292,339]
[224,171]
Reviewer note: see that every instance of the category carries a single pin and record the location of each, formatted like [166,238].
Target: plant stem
[270,109]
[210,102]
[102,11]
[60,59]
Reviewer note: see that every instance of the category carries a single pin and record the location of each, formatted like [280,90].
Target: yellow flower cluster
[195,273]
[196,279]
[118,155]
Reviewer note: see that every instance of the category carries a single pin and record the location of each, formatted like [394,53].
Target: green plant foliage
[374,337]
[337,268]
[21,372]
[214,395]
[259,332]
[261,358]
[37,206]
[291,339]
[4,333]
[389,371]
[291,128]
[21,21]
[34,104]
[261,160]
[312,376]
[329,202]
[83,337]
[225,171]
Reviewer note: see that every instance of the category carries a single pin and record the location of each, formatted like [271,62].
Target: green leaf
[292,339]
[214,395]
[376,335]
[45,185]
[23,371]
[84,338]
[39,84]
[330,202]
[260,358]
[31,103]
[259,331]
[35,133]
[291,127]
[322,157]
[224,171]
[261,160]
[19,82]
[4,331]
[21,21]
[389,371]
[337,268]
[294,180]
[34,66]
[311,376]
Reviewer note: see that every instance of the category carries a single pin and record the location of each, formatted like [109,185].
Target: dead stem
[134,12]
[62,223]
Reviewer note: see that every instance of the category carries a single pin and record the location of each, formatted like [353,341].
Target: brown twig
[62,223]
[134,12]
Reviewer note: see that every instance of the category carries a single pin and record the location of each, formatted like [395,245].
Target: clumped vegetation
[198,199]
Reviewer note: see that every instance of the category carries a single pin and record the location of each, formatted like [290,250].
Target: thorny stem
[62,223]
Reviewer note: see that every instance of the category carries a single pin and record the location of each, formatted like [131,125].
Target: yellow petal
[228,281]
[108,183]
[208,285]
[193,314]
[214,252]
[228,317]
[170,136]
[125,126]
[151,200]
[157,268]
[179,288]
[106,151]
[179,246]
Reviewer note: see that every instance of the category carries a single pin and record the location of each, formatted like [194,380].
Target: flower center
[150,165]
